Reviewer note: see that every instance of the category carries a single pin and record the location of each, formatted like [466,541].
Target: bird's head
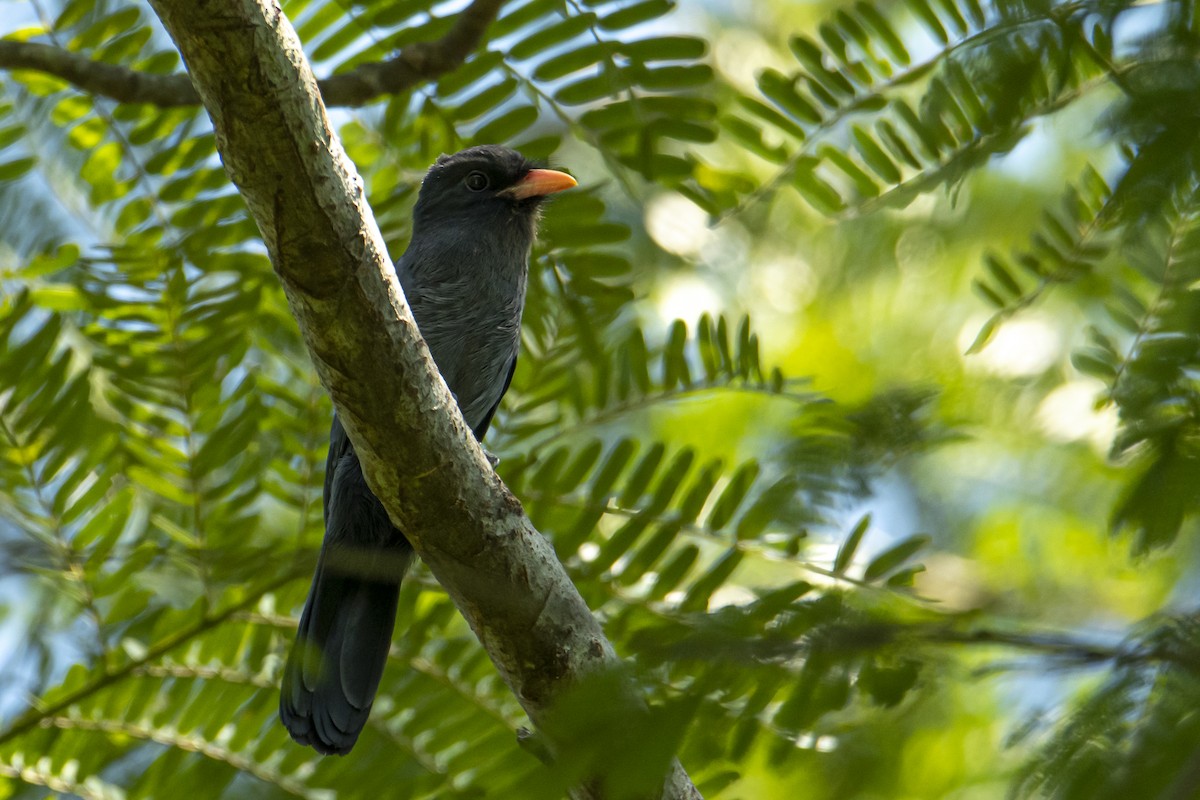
[485,188]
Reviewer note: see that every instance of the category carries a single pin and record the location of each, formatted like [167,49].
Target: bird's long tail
[341,647]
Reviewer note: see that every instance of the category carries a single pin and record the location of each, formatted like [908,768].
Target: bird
[464,275]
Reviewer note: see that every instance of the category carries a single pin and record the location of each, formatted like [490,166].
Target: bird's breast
[473,335]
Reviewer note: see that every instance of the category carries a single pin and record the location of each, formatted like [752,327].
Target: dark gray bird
[464,276]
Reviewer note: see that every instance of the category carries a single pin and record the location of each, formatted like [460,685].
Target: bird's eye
[477,181]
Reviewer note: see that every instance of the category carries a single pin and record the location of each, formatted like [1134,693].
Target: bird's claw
[535,743]
[492,458]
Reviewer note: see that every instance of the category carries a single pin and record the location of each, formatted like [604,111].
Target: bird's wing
[339,446]
[482,427]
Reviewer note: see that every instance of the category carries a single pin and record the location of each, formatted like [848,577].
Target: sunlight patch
[1069,414]
[1021,348]
[677,225]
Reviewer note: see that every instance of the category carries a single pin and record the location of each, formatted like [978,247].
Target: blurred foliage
[844,559]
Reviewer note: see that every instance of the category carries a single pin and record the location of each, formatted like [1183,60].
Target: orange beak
[541,182]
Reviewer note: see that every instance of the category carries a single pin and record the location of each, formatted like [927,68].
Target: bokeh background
[858,394]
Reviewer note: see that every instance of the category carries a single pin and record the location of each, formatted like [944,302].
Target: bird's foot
[492,458]
[536,744]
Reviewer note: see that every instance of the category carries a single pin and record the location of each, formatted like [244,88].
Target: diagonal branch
[278,146]
[416,63]
[38,716]
[190,742]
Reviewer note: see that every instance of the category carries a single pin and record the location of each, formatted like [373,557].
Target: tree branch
[416,63]
[38,716]
[1067,648]
[277,144]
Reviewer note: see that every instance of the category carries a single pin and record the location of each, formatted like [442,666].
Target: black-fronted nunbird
[464,275]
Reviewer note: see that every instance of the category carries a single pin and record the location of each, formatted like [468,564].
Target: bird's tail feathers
[342,643]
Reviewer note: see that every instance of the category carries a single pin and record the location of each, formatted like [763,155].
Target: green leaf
[888,685]
[16,168]
[845,554]
[895,556]
[638,482]
[158,483]
[73,13]
[989,294]
[817,190]
[665,48]
[674,572]
[782,91]
[610,470]
[485,100]
[551,35]
[766,509]
[673,77]
[572,60]
[508,125]
[768,114]
[874,157]
[635,14]
[697,494]
[469,73]
[985,334]
[59,297]
[863,182]
[887,34]
[733,495]
[925,13]
[1003,277]
[670,480]
[585,90]
[675,366]
[1092,362]
[701,592]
